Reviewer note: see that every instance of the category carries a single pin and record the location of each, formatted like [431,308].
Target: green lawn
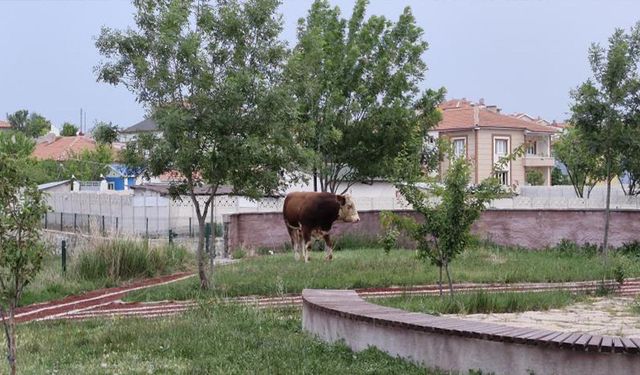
[209,340]
[482,303]
[280,274]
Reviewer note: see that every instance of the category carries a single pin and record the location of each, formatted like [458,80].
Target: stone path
[611,316]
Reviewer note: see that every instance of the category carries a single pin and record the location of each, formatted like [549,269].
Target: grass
[104,266]
[482,302]
[281,274]
[211,339]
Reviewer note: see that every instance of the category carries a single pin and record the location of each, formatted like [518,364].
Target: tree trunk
[446,268]
[605,245]
[204,281]
[10,333]
[440,280]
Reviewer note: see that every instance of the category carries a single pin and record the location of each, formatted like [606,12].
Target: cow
[310,214]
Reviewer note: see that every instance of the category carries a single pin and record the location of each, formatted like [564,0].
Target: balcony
[538,161]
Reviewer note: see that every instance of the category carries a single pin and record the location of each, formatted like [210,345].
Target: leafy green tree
[89,165]
[16,144]
[584,168]
[355,82]
[105,133]
[630,163]
[211,75]
[606,106]
[448,212]
[534,177]
[21,249]
[32,125]
[557,177]
[68,130]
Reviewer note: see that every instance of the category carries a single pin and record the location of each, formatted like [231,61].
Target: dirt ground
[602,316]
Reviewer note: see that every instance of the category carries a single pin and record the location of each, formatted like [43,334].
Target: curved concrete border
[461,345]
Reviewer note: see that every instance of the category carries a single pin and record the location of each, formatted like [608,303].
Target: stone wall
[527,228]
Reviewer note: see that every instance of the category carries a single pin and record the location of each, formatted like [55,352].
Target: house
[482,134]
[4,126]
[52,147]
[120,177]
[146,126]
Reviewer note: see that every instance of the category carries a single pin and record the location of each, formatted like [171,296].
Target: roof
[4,125]
[62,148]
[146,125]
[50,185]
[466,117]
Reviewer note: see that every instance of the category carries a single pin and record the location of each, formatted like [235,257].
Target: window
[501,146]
[532,148]
[503,177]
[459,147]
[111,186]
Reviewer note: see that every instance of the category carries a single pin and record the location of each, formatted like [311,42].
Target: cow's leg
[306,244]
[294,233]
[329,246]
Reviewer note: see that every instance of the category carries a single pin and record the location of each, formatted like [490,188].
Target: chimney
[476,116]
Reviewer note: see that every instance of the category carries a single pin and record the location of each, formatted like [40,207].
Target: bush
[570,248]
[630,249]
[534,177]
[126,259]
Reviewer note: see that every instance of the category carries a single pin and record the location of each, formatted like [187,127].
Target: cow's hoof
[328,257]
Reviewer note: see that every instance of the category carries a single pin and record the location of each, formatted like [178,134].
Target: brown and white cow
[310,215]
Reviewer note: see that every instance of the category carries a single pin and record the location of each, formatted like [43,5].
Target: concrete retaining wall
[456,344]
[532,229]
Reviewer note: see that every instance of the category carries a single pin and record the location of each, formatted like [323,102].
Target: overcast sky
[524,56]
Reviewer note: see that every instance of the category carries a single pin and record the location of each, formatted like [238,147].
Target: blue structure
[118,174]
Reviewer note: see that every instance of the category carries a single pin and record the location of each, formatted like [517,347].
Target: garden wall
[527,228]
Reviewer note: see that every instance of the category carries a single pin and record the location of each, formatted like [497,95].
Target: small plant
[631,249]
[389,239]
[618,273]
[239,254]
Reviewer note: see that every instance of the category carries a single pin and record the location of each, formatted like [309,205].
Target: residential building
[146,126]
[483,135]
[52,147]
[4,126]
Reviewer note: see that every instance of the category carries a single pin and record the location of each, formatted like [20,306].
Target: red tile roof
[469,116]
[4,125]
[63,148]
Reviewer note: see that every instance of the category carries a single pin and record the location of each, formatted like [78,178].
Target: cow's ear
[341,199]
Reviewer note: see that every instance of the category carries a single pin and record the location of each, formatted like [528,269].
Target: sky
[521,55]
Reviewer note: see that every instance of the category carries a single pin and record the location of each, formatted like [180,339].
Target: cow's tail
[292,227]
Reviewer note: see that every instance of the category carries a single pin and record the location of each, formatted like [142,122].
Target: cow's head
[348,212]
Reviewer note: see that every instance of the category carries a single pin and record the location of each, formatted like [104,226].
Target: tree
[355,82]
[89,165]
[557,177]
[68,130]
[584,168]
[33,125]
[630,163]
[211,75]
[21,249]
[445,229]
[606,107]
[16,144]
[105,133]
[535,177]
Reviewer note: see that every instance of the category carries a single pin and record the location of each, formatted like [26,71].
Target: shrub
[126,259]
[570,248]
[630,249]
[534,177]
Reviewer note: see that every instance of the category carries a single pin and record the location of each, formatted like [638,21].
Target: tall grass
[482,302]
[127,259]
